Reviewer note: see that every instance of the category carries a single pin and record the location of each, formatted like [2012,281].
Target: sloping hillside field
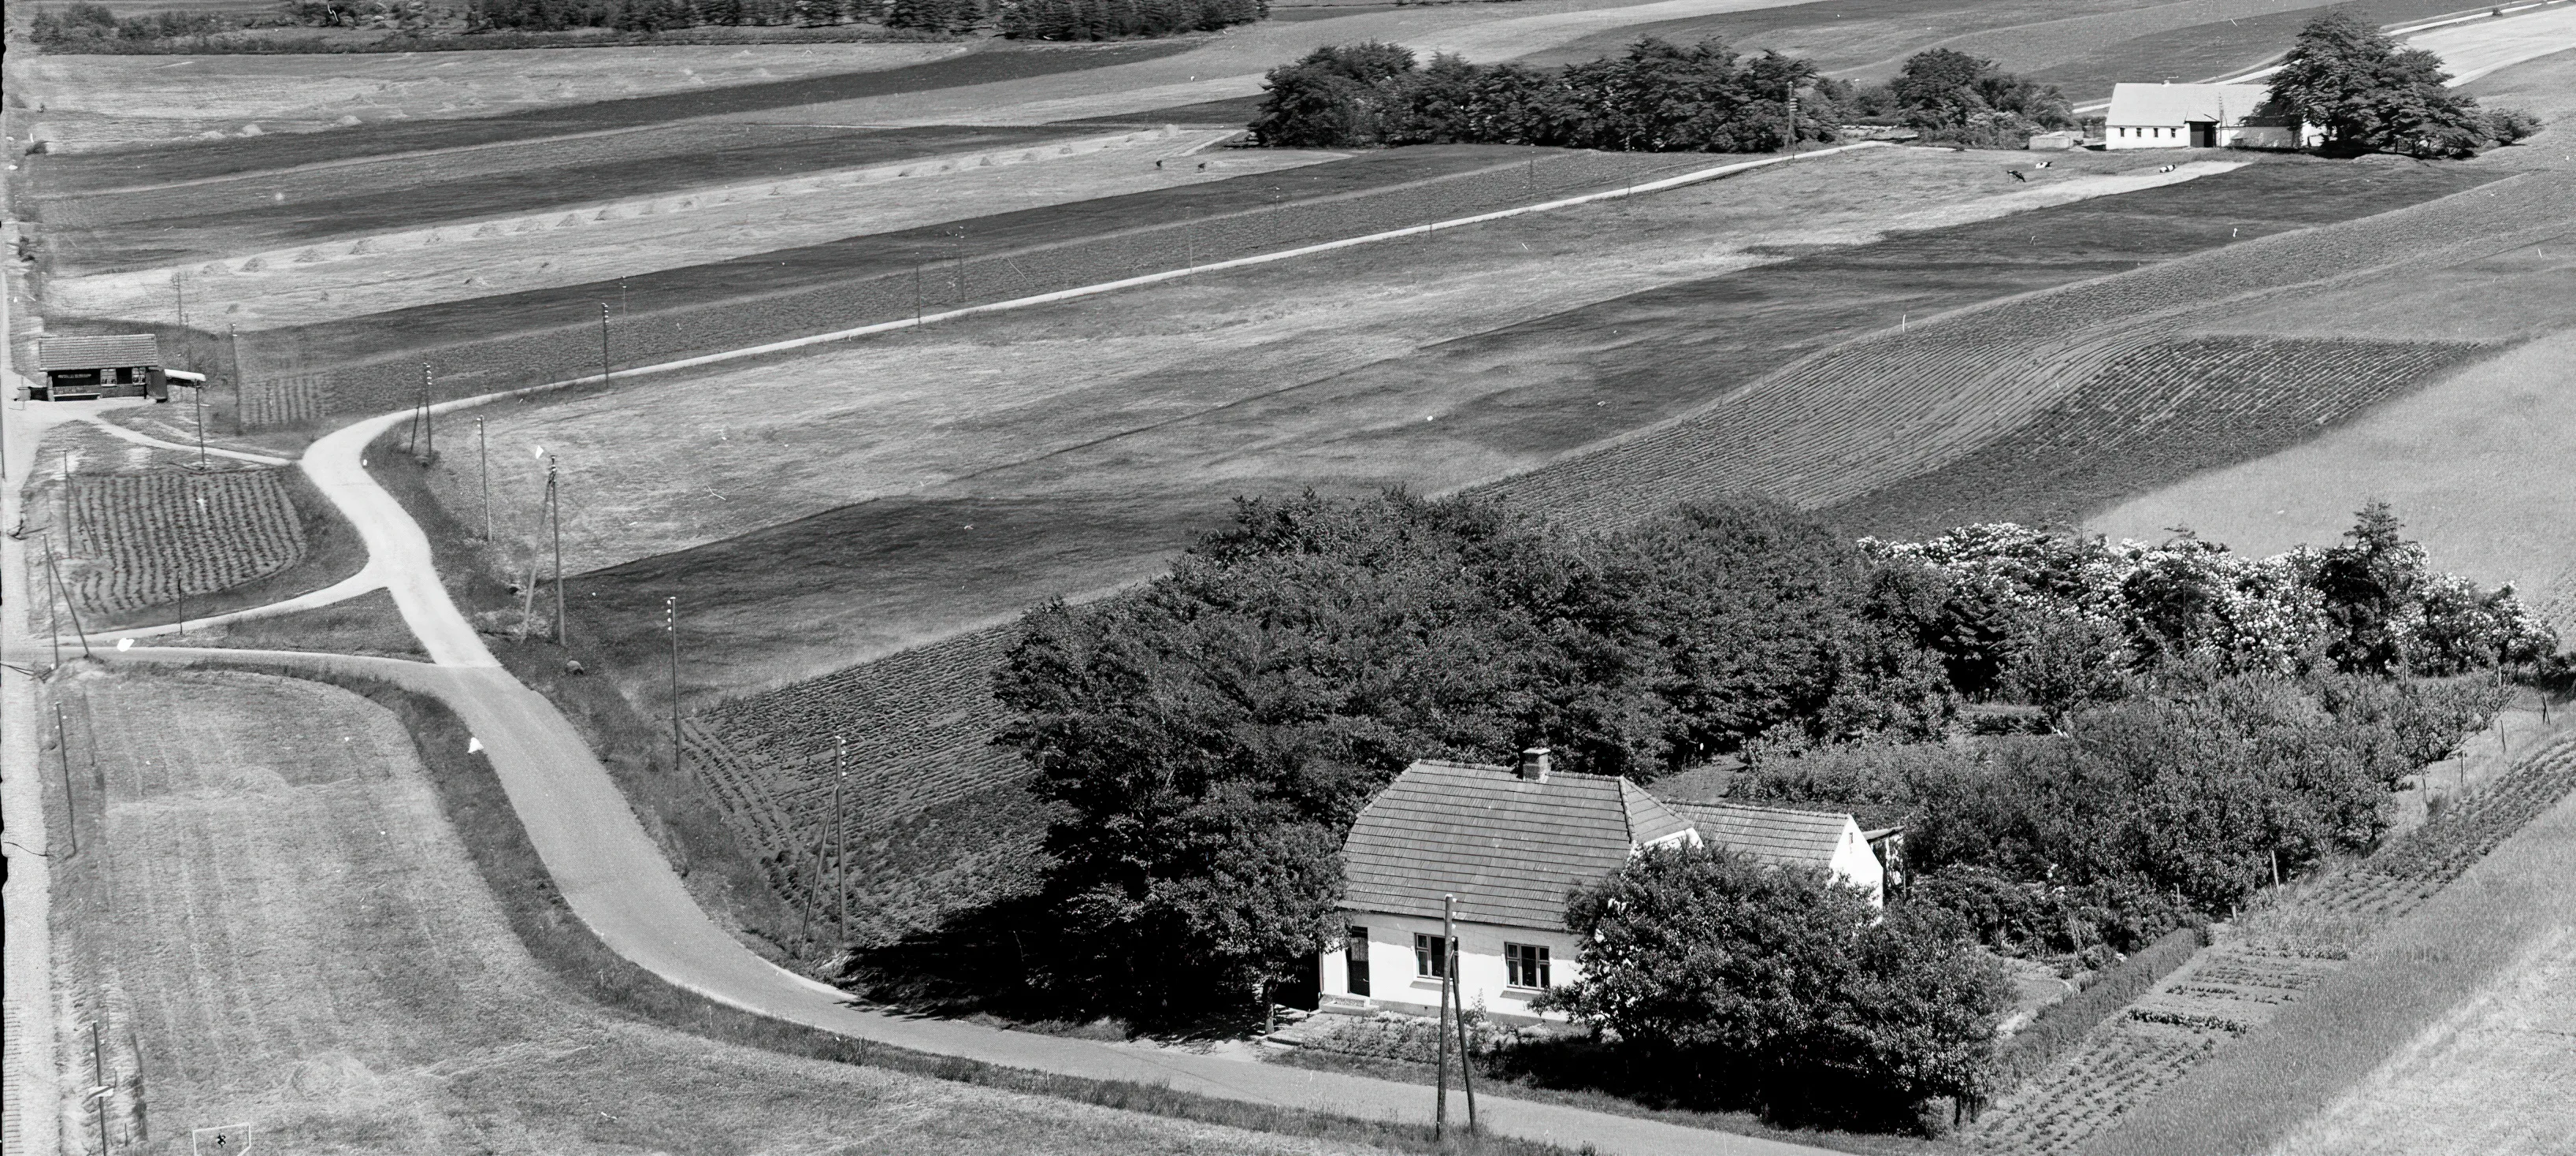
[528,338]
[1087,517]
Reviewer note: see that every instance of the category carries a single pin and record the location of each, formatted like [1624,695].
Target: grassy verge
[474,802]
[683,817]
[1493,1081]
[368,624]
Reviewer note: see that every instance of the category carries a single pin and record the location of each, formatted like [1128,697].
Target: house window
[1358,954]
[1526,964]
[1427,960]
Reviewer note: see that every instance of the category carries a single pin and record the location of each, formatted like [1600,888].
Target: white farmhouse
[1511,843]
[2200,116]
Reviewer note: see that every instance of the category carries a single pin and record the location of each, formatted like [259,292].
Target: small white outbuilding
[2200,116]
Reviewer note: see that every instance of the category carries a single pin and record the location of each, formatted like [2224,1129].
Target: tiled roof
[1769,834]
[2175,104]
[1511,849]
[119,352]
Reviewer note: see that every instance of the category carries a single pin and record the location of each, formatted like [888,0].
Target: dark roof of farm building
[1511,849]
[123,351]
[1769,834]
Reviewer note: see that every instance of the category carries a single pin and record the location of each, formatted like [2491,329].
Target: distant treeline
[415,24]
[1109,19]
[1656,97]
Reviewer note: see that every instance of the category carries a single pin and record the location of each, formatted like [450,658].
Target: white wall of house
[1856,864]
[1396,981]
[2176,136]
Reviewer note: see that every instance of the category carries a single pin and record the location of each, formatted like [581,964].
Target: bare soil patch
[89,102]
[300,942]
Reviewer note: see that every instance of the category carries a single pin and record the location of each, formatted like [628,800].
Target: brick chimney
[1535,763]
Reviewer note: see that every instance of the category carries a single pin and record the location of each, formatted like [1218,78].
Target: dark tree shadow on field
[1660,1079]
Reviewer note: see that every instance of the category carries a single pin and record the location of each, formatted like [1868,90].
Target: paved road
[619,883]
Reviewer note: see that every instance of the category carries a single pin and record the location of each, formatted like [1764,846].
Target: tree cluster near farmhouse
[2370,95]
[2219,722]
[1656,97]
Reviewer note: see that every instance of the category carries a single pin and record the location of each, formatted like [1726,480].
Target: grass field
[2546,87]
[549,335]
[2490,1077]
[301,942]
[1097,435]
[2476,464]
[88,102]
[90,231]
[598,242]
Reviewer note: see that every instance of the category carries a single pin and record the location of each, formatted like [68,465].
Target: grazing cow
[2016,175]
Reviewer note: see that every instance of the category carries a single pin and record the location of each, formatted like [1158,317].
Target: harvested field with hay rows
[144,540]
[145,168]
[591,243]
[2280,954]
[93,102]
[1818,436]
[193,225]
[527,338]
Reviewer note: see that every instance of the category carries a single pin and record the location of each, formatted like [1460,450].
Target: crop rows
[144,540]
[1862,416]
[744,314]
[2237,986]
[931,808]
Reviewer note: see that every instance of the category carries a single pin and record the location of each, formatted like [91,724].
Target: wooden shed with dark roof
[119,365]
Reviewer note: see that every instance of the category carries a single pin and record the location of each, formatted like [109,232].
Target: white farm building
[1509,844]
[2200,116]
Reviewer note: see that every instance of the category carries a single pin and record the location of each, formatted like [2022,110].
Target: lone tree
[2369,95]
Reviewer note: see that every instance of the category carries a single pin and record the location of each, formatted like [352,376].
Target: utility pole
[1792,145]
[483,446]
[603,343]
[1458,999]
[554,512]
[54,606]
[1440,1102]
[71,813]
[200,393]
[840,832]
[98,1080]
[71,529]
[671,623]
[56,570]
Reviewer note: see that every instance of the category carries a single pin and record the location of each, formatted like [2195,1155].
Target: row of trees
[1112,19]
[1658,96]
[1210,737]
